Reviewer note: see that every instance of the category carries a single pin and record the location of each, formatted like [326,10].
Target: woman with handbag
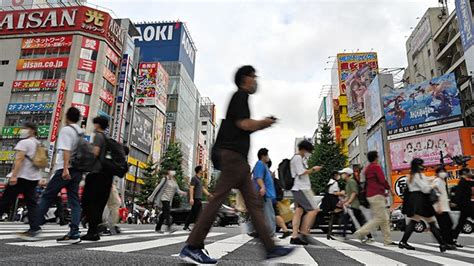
[331,203]
[419,205]
[162,197]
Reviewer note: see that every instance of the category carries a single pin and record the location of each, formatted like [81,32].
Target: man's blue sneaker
[196,256]
[279,251]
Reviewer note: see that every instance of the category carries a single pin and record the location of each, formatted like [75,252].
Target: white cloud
[289,43]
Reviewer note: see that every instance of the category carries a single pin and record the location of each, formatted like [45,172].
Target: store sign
[28,108]
[42,63]
[122,79]
[107,97]
[83,87]
[117,128]
[14,132]
[110,54]
[64,19]
[84,109]
[86,65]
[7,155]
[46,42]
[91,44]
[466,27]
[109,76]
[349,64]
[35,85]
[421,35]
[152,86]
[57,112]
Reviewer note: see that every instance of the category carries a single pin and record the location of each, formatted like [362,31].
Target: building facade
[207,124]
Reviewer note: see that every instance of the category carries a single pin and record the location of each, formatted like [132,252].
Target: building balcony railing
[450,45]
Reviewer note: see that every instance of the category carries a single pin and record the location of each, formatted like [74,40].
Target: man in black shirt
[195,196]
[232,147]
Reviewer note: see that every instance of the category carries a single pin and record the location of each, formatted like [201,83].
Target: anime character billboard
[430,106]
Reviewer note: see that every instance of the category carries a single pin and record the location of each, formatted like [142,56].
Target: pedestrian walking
[419,206]
[464,199]
[195,197]
[24,179]
[331,203]
[230,156]
[111,212]
[303,195]
[263,181]
[65,176]
[279,192]
[377,186]
[162,197]
[98,182]
[442,208]
[352,204]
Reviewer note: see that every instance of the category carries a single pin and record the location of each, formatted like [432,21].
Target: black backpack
[362,196]
[82,157]
[115,160]
[284,173]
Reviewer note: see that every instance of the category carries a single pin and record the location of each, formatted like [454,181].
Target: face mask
[443,175]
[24,133]
[172,173]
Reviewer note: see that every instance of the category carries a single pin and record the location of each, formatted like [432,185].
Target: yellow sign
[131,178]
[7,155]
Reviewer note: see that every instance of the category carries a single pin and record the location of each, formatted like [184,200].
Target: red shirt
[375,180]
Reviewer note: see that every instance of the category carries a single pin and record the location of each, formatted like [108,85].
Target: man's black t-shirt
[230,136]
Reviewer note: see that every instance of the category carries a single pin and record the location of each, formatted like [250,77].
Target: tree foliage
[150,179]
[328,154]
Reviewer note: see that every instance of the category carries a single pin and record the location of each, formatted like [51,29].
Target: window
[104,107]
[85,76]
[107,85]
[81,98]
[5,62]
[415,67]
[204,123]
[429,52]
[1,83]
[204,133]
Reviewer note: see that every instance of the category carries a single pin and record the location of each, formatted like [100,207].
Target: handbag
[433,196]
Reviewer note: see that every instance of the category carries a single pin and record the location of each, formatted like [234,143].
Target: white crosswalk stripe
[223,245]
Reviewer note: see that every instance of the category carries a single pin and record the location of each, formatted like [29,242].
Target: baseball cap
[346,170]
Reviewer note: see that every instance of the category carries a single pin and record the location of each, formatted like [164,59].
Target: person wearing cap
[377,186]
[351,203]
[230,155]
[24,178]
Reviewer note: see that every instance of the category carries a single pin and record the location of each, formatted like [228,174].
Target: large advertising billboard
[466,27]
[427,147]
[357,85]
[430,106]
[64,19]
[350,63]
[375,143]
[373,99]
[142,130]
[42,63]
[158,138]
[166,42]
[152,87]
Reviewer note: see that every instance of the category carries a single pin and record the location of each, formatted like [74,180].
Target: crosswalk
[233,247]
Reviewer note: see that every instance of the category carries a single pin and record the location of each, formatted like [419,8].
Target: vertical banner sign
[83,87]
[110,54]
[118,121]
[466,27]
[349,64]
[107,97]
[84,109]
[122,79]
[56,122]
[91,44]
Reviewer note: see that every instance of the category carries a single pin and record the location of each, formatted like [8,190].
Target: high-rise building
[207,121]
[51,59]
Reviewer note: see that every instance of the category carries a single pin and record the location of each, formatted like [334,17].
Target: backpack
[284,173]
[362,195]
[40,158]
[115,160]
[83,157]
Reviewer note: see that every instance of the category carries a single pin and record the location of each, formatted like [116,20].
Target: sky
[290,43]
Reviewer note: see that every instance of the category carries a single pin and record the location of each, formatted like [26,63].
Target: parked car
[226,215]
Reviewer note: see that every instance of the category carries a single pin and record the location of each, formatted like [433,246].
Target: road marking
[13,231]
[454,252]
[130,247]
[361,255]
[224,247]
[424,256]
[298,256]
[465,248]
[15,236]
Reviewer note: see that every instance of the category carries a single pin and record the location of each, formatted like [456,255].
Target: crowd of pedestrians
[102,164]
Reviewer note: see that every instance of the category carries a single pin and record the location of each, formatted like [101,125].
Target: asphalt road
[140,245]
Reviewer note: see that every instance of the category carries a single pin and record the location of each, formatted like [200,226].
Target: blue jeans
[51,192]
[269,214]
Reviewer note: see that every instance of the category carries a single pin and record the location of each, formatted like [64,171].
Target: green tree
[172,159]
[328,154]
[150,179]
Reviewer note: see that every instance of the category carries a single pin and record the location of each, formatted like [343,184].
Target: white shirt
[298,166]
[443,201]
[28,171]
[333,186]
[67,139]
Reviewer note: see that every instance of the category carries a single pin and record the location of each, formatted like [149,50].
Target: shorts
[305,199]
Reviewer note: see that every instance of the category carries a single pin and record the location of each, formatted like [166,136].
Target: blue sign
[466,28]
[26,108]
[122,79]
[166,42]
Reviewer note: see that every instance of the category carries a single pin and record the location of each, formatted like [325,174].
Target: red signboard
[109,76]
[83,87]
[84,109]
[86,65]
[112,56]
[91,44]
[42,63]
[35,85]
[47,42]
[57,112]
[63,19]
[107,97]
